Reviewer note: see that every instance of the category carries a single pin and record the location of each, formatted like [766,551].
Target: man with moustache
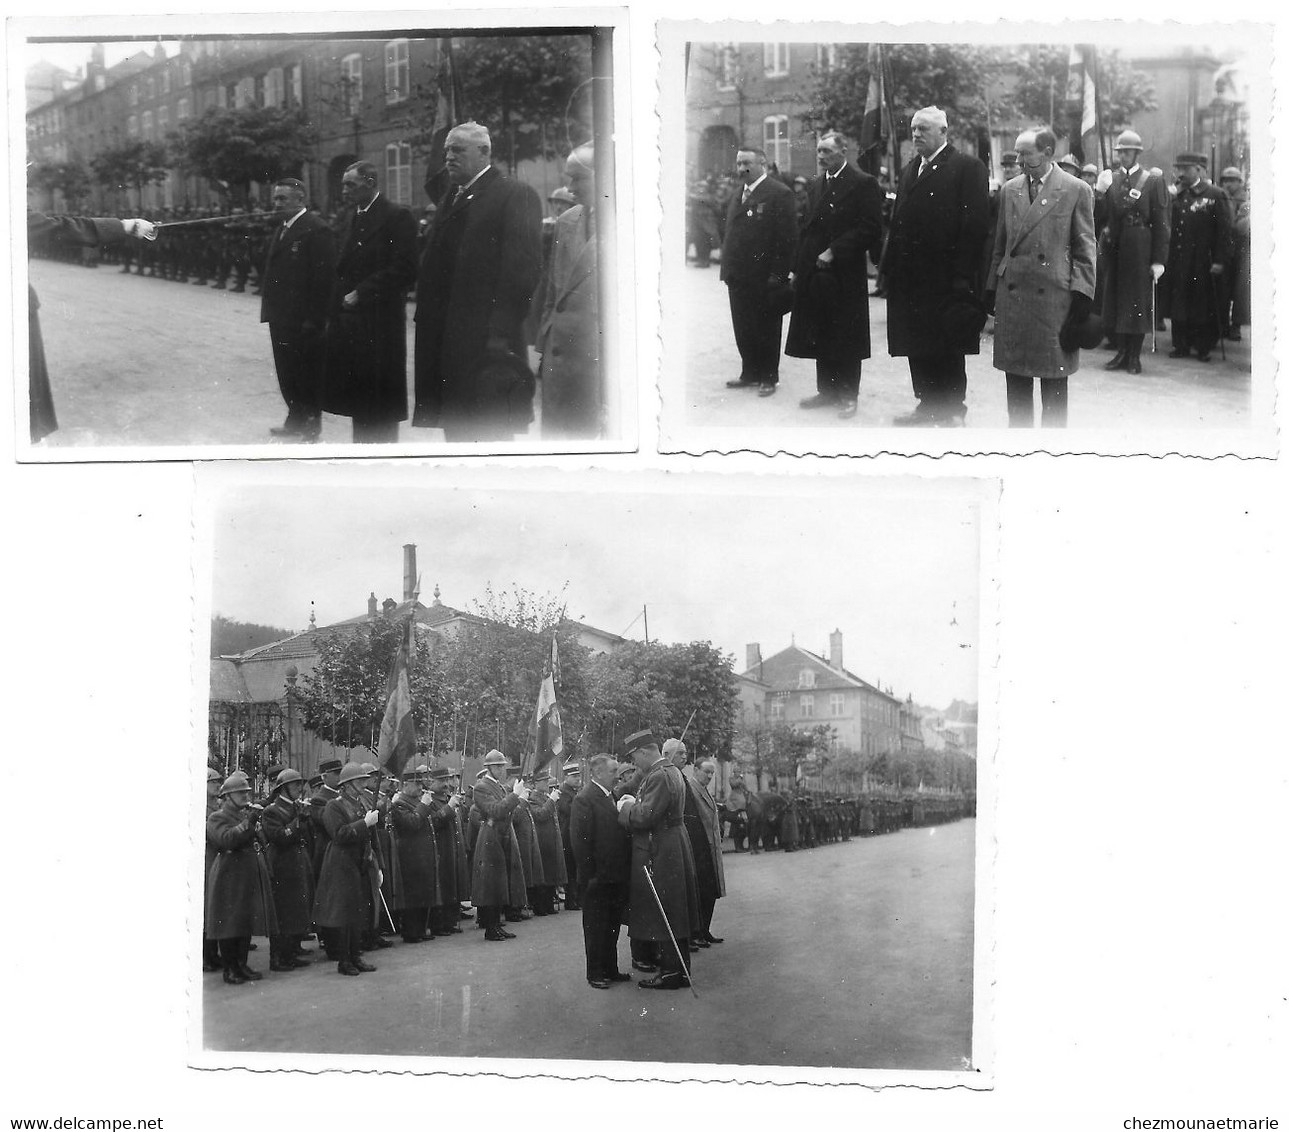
[478,271]
[285,830]
[568,790]
[602,850]
[1198,252]
[756,259]
[932,269]
[843,223]
[349,885]
[299,272]
[413,858]
[454,872]
[1134,248]
[366,376]
[703,824]
[498,878]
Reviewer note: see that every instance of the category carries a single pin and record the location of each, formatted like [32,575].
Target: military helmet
[1128,139]
[1231,173]
[287,775]
[1070,163]
[352,772]
[212,775]
[495,758]
[235,781]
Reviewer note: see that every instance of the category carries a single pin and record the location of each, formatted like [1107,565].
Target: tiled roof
[781,672]
[226,683]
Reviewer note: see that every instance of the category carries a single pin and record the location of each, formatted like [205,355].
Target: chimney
[388,606]
[753,657]
[371,606]
[409,570]
[834,650]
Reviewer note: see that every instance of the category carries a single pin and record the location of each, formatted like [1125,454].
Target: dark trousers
[375,431]
[758,334]
[489,915]
[644,951]
[413,922]
[345,943]
[541,897]
[940,383]
[838,378]
[1020,400]
[1200,336]
[602,907]
[443,918]
[298,360]
[669,959]
[706,909]
[234,952]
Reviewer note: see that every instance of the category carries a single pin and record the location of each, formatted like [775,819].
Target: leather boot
[1119,361]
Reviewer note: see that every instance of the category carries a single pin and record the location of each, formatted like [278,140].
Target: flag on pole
[875,131]
[547,731]
[397,728]
[1082,89]
[448,112]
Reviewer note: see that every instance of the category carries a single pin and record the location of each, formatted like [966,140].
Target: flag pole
[688,722]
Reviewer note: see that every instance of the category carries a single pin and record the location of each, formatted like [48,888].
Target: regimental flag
[547,731]
[876,129]
[449,112]
[398,729]
[1082,90]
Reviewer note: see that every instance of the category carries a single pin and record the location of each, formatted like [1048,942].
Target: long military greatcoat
[656,822]
[239,897]
[454,871]
[1135,236]
[284,830]
[1200,237]
[1043,253]
[550,845]
[529,854]
[569,335]
[347,887]
[498,876]
[415,854]
[703,821]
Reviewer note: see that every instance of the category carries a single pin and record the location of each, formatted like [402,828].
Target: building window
[397,71]
[185,73]
[152,89]
[274,94]
[398,172]
[351,83]
[147,125]
[806,678]
[292,85]
[134,95]
[259,92]
[726,66]
[165,82]
[808,706]
[776,60]
[132,125]
[181,112]
[776,140]
[837,704]
[776,709]
[826,57]
[163,120]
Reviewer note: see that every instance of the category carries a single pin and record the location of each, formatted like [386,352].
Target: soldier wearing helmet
[239,901]
[286,833]
[209,948]
[1135,248]
[498,877]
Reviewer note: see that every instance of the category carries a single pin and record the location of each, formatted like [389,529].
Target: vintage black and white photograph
[967,233]
[549,796]
[322,240]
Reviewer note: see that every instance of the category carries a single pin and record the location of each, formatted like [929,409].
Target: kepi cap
[638,739]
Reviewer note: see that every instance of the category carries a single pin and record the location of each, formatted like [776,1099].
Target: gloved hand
[991,300]
[521,791]
[380,878]
[626,800]
[1080,309]
[140,229]
[1216,269]
[426,798]
[371,818]
[1156,269]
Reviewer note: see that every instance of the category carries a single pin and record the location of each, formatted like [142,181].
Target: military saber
[648,872]
[687,723]
[1154,322]
[213,220]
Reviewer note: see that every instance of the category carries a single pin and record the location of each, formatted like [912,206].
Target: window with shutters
[808,706]
[398,172]
[397,71]
[351,82]
[726,66]
[776,144]
[776,60]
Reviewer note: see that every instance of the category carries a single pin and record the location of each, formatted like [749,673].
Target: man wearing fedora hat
[239,899]
[829,323]
[756,255]
[284,826]
[1041,280]
[349,884]
[498,877]
[1198,252]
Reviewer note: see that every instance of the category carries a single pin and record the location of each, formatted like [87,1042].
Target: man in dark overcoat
[299,274]
[1134,247]
[1198,253]
[843,222]
[550,847]
[413,859]
[349,884]
[602,850]
[931,269]
[63,231]
[756,259]
[481,264]
[655,818]
[703,824]
[568,790]
[285,830]
[498,876]
[239,898]
[366,375]
[454,874]
[209,947]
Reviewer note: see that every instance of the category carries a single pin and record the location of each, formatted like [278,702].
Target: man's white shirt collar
[750,189]
[373,200]
[472,180]
[926,161]
[295,218]
[607,792]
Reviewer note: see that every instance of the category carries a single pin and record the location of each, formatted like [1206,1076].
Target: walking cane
[1154,322]
[648,872]
[1221,314]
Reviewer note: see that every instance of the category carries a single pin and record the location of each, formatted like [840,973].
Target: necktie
[1033,189]
[923,167]
[747,192]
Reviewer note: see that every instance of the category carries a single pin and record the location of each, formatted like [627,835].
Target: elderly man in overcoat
[843,222]
[414,859]
[931,269]
[602,850]
[655,818]
[569,333]
[1198,253]
[550,847]
[239,897]
[349,885]
[1042,279]
[703,824]
[479,269]
[286,831]
[1134,247]
[366,375]
[498,879]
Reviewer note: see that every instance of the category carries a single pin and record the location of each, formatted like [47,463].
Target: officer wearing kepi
[1135,246]
[1197,258]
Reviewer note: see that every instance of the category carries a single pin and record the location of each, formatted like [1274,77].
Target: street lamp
[292,674]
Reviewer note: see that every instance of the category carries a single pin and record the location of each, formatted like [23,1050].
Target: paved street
[140,361]
[855,954]
[1169,394]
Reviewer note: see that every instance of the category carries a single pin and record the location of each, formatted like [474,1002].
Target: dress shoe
[297,962]
[506,934]
[696,943]
[363,967]
[918,418]
[661,982]
[233,976]
[252,947]
[466,913]
[818,401]
[249,973]
[348,969]
[648,967]
[275,965]
[848,409]
[379,944]
[1203,356]
[1134,365]
[496,935]
[1119,361]
[1179,353]
[740,383]
[456,929]
[714,938]
[765,389]
[619,977]
[1234,336]
[599,984]
[208,967]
